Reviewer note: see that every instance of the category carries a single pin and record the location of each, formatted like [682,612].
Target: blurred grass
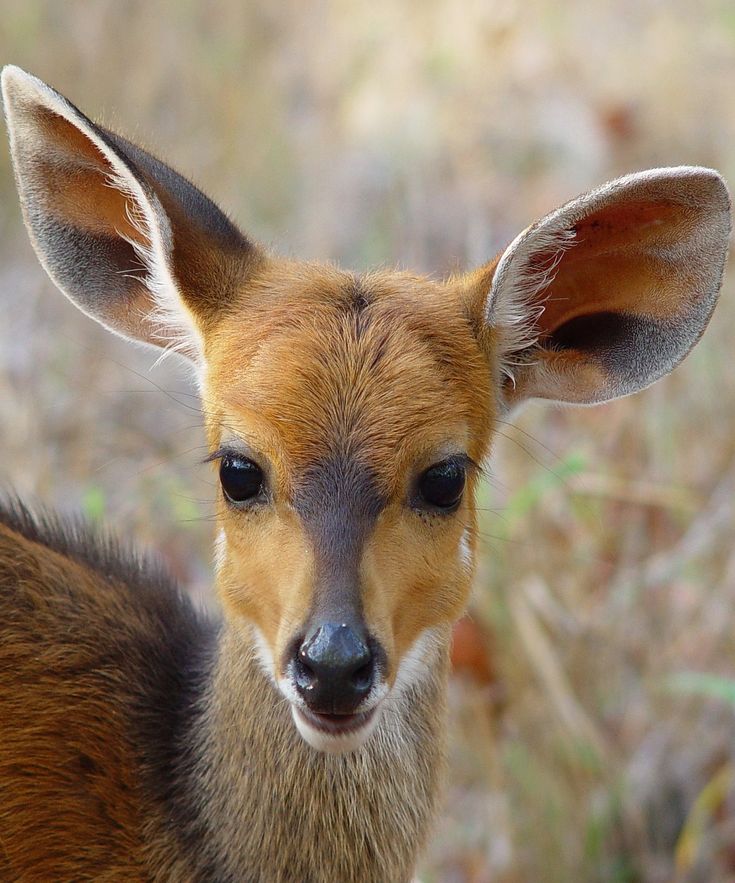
[427,134]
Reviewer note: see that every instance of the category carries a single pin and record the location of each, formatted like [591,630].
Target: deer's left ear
[611,291]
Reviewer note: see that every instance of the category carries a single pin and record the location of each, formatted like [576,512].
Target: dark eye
[242,480]
[442,485]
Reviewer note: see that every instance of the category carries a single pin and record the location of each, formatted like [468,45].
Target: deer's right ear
[130,241]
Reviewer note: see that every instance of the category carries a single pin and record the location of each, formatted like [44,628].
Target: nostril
[362,679]
[304,675]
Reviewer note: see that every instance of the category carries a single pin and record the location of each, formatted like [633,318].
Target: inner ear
[84,192]
[610,270]
[591,332]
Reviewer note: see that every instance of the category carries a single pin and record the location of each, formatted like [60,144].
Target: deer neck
[273,808]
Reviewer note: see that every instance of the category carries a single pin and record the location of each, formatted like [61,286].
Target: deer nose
[334,669]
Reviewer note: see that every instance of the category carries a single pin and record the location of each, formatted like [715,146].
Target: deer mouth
[337,724]
[335,733]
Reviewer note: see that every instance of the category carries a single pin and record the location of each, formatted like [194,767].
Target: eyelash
[221,453]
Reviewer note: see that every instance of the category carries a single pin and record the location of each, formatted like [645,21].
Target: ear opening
[127,239]
[611,291]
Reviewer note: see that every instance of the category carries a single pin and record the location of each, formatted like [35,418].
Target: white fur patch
[220,551]
[289,691]
[416,662]
[265,658]
[466,558]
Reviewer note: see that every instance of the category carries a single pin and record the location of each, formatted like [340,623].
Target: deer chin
[335,733]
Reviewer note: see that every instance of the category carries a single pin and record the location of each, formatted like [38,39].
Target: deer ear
[130,241]
[611,291]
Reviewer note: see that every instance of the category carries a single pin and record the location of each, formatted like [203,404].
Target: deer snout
[334,668]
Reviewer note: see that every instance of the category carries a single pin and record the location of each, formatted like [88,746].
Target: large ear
[127,239]
[611,291]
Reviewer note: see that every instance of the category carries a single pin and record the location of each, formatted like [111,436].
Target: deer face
[348,431]
[347,415]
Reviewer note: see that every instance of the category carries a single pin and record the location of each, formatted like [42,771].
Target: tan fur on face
[383,369]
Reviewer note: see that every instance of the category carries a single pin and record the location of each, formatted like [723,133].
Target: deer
[298,732]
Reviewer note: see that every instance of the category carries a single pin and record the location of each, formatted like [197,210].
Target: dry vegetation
[600,745]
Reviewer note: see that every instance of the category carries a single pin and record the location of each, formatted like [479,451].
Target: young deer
[299,737]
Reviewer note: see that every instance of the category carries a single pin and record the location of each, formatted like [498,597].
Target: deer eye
[442,485]
[241,479]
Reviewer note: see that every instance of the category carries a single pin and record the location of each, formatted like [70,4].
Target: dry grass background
[427,133]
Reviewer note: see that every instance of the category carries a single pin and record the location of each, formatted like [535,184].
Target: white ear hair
[518,292]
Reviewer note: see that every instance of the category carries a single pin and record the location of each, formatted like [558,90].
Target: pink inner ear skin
[625,259]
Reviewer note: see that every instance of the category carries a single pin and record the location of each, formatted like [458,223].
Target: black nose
[334,669]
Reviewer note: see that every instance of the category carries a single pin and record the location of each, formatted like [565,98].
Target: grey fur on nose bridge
[338,502]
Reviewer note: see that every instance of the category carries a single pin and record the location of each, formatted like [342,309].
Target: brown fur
[81,638]
[94,644]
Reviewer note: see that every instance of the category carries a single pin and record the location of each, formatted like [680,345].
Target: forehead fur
[378,366]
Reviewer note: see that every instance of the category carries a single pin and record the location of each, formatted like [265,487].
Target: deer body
[158,749]
[299,736]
